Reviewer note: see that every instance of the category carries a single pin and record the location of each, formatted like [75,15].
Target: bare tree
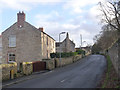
[111,13]
[111,16]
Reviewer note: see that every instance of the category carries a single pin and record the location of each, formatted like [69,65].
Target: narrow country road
[85,73]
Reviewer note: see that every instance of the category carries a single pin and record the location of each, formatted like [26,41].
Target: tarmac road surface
[85,73]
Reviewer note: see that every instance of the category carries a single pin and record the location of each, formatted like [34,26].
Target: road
[85,73]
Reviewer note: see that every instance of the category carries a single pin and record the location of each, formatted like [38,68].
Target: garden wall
[27,67]
[6,70]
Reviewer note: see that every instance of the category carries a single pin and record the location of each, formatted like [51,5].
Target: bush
[52,55]
[81,51]
[63,55]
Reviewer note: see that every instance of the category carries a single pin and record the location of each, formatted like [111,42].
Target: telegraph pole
[81,40]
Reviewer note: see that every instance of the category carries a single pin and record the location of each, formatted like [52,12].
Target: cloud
[14,4]
[25,4]
[78,5]
[75,27]
[83,20]
[70,26]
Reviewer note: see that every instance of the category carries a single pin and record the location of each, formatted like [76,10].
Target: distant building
[66,46]
[22,42]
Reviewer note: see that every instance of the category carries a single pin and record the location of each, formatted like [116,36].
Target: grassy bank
[109,79]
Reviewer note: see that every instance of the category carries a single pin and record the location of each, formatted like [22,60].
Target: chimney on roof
[20,19]
[67,35]
[41,29]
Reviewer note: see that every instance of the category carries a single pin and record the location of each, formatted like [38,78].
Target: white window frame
[12,57]
[12,41]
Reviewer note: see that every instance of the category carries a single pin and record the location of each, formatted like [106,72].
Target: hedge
[81,51]
[64,54]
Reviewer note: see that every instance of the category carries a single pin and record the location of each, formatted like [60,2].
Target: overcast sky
[73,16]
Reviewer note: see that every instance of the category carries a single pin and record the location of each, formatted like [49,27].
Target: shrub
[52,55]
[63,55]
[81,51]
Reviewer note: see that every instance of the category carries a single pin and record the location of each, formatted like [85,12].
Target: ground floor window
[11,57]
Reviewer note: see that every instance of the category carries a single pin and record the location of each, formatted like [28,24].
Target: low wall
[66,61]
[50,64]
[6,70]
[76,58]
[113,52]
[11,69]
[27,68]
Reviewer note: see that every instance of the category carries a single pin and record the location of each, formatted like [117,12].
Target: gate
[38,66]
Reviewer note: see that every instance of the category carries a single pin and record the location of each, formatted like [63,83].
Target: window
[12,41]
[11,57]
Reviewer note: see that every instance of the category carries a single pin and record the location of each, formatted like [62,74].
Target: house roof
[69,40]
[41,31]
[67,37]
[30,25]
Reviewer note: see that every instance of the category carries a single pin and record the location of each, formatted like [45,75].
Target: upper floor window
[12,41]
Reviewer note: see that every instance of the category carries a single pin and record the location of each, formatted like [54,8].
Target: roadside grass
[110,80]
[109,65]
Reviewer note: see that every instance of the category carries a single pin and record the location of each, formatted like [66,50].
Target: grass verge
[110,78]
[109,65]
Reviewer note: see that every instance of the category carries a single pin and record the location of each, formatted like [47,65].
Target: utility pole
[60,47]
[81,40]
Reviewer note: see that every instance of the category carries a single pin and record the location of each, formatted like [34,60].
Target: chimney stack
[20,19]
[41,29]
[67,36]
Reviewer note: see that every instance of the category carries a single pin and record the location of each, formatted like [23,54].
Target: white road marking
[62,81]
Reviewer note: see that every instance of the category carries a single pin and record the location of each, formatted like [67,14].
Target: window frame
[11,57]
[12,41]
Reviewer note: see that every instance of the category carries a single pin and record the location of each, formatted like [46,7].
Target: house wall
[48,45]
[27,43]
[66,46]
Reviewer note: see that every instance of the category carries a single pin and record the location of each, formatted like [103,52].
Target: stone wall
[66,61]
[27,68]
[54,63]
[50,64]
[6,70]
[113,52]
